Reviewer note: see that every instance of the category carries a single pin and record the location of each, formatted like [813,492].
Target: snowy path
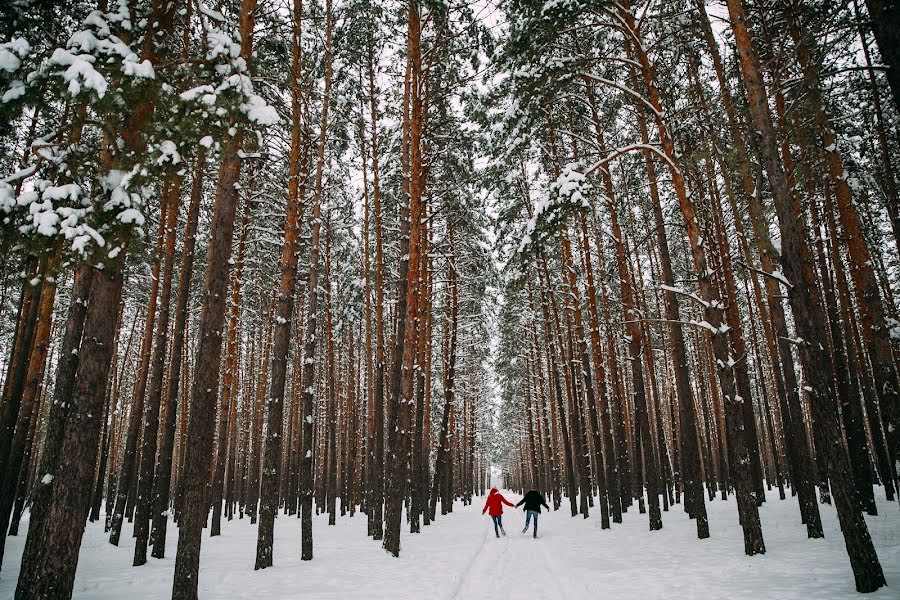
[513,566]
[458,557]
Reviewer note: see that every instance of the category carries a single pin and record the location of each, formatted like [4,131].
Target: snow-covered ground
[459,557]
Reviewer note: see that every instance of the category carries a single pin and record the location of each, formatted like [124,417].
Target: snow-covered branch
[625,150]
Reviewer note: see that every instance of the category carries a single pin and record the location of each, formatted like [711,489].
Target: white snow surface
[459,557]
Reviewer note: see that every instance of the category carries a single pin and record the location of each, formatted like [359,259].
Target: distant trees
[171,411]
[701,369]
[627,255]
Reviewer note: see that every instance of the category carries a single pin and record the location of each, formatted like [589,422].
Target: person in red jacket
[494,505]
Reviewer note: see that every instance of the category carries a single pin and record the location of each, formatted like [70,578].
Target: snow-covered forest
[287,286]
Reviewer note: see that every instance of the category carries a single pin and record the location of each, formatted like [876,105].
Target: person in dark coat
[533,502]
[494,504]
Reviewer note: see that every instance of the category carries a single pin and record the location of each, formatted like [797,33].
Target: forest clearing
[288,287]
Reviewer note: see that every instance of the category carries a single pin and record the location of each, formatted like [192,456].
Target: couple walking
[532,501]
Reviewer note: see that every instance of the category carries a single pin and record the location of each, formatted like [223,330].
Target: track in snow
[513,566]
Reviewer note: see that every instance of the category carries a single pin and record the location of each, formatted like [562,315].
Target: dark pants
[528,516]
[498,524]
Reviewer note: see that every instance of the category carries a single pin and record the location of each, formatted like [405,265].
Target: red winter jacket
[495,502]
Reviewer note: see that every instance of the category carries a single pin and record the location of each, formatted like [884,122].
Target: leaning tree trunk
[876,332]
[796,260]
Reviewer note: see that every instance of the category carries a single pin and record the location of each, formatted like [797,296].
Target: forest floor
[459,557]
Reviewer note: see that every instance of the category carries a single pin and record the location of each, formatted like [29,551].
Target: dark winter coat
[495,502]
[533,501]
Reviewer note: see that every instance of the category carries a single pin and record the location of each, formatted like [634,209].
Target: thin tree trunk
[163,469]
[284,312]
[311,332]
[442,462]
[128,466]
[376,454]
[155,391]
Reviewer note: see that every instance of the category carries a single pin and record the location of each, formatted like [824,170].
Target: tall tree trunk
[607,476]
[104,474]
[332,396]
[284,311]
[851,405]
[201,425]
[163,471]
[875,330]
[309,350]
[632,317]
[376,453]
[808,315]
[52,548]
[29,396]
[442,461]
[714,315]
[372,420]
[407,311]
[259,406]
[799,453]
[230,368]
[154,393]
[59,411]
[419,454]
[558,402]
[129,457]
